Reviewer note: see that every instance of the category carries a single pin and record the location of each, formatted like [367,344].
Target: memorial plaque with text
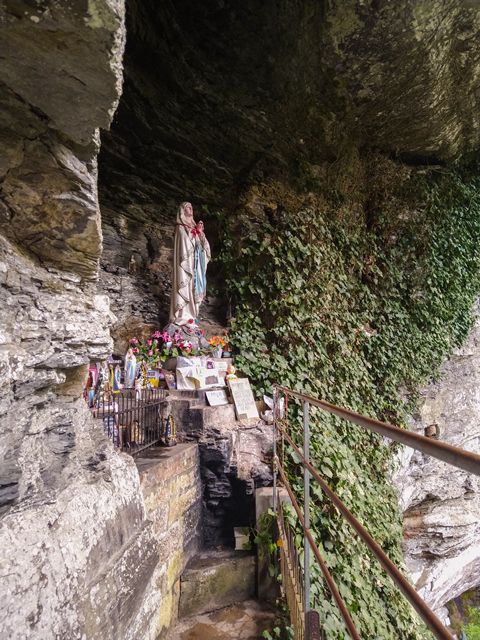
[217,397]
[243,399]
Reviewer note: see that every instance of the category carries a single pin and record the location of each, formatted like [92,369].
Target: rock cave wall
[67,498]
[441,504]
[218,98]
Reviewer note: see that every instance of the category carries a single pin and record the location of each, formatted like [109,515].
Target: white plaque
[217,398]
[243,399]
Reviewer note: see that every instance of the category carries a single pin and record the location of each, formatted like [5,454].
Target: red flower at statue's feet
[191,321]
[134,341]
[135,350]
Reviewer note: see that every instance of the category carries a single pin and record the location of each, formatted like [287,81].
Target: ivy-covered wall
[352,283]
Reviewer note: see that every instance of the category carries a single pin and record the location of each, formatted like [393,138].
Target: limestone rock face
[56,92]
[441,504]
[45,66]
[219,94]
[51,327]
[71,509]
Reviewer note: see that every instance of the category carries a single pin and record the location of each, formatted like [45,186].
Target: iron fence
[466,460]
[133,420]
[292,576]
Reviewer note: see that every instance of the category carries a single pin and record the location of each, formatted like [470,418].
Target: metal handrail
[466,460]
[316,552]
[408,591]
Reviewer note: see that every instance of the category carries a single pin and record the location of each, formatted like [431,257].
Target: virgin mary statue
[191,254]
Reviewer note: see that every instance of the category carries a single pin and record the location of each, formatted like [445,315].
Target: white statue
[191,255]
[130,369]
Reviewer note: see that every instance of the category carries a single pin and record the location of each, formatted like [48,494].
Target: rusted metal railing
[292,576]
[465,460]
[133,420]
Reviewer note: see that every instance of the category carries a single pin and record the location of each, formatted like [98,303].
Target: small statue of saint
[132,265]
[139,388]
[130,369]
[191,255]
[117,377]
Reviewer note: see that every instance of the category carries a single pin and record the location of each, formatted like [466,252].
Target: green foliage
[264,538]
[472,628]
[357,297]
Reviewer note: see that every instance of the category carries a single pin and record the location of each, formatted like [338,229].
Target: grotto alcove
[222,100]
[264,115]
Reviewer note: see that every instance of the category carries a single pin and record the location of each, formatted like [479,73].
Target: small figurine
[117,377]
[132,265]
[231,375]
[170,432]
[138,388]
[130,369]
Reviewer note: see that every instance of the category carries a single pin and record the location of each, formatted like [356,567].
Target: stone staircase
[216,593]
[217,599]
[215,579]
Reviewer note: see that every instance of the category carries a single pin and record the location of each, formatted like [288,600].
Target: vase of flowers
[217,343]
[160,348]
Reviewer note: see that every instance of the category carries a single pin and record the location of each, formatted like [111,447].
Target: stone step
[215,579]
[243,621]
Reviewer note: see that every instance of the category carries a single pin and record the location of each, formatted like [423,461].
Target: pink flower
[135,350]
[165,336]
[150,353]
[157,334]
[149,343]
[134,341]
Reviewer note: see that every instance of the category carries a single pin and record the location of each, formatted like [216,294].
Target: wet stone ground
[243,621]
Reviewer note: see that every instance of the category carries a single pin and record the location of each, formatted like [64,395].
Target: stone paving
[242,621]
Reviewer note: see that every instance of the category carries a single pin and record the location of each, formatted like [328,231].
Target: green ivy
[356,294]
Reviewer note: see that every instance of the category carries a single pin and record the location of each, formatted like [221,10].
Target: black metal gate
[133,420]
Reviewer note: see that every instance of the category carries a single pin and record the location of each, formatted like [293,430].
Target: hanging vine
[354,289]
